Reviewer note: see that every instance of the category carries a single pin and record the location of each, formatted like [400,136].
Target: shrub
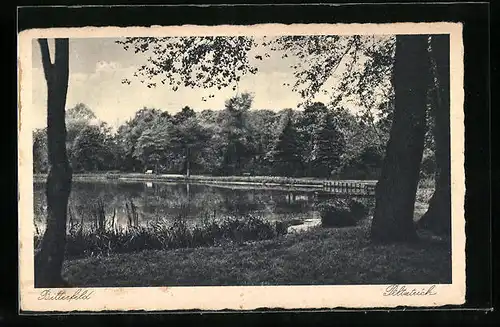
[342,213]
[336,216]
[280,227]
[358,209]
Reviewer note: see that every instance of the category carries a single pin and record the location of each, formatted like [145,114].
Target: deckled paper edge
[248,297]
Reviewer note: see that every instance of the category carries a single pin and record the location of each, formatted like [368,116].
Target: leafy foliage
[91,149]
[236,137]
[186,140]
[198,61]
[152,144]
[40,154]
[328,146]
[358,62]
[77,119]
[286,156]
[319,141]
[129,134]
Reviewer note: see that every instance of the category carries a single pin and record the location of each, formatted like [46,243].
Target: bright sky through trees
[97,67]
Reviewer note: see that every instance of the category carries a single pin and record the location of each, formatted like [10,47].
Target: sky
[98,65]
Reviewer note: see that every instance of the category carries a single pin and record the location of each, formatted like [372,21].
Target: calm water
[194,201]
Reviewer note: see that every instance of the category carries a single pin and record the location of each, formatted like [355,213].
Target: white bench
[149,171]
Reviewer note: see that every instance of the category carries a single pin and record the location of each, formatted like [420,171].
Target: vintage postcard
[303,166]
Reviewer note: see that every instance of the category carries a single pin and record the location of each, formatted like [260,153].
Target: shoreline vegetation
[101,236]
[358,186]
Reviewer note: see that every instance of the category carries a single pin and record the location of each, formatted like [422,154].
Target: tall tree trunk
[397,186]
[50,255]
[438,216]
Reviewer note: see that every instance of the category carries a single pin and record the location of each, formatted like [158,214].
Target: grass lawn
[318,256]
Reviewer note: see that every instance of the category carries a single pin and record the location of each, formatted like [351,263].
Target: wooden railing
[349,188]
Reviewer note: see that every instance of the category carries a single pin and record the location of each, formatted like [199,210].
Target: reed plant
[103,236]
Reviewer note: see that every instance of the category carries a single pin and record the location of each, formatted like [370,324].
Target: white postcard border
[239,297]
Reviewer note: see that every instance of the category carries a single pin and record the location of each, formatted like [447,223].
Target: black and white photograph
[215,167]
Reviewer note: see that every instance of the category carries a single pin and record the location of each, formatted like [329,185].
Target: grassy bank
[318,256]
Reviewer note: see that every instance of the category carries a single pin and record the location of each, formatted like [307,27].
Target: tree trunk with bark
[438,216]
[397,186]
[49,256]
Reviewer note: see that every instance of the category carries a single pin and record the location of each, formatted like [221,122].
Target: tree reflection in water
[192,201]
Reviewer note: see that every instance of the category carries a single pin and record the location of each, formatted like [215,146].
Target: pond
[191,201]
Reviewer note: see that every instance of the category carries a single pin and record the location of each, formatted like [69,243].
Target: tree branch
[47,64]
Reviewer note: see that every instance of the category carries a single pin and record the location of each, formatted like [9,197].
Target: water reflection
[194,201]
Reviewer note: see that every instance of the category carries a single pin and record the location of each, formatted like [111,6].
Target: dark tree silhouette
[286,156]
[438,216]
[329,146]
[50,255]
[397,186]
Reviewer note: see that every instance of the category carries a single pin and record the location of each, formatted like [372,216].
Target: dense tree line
[315,142]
